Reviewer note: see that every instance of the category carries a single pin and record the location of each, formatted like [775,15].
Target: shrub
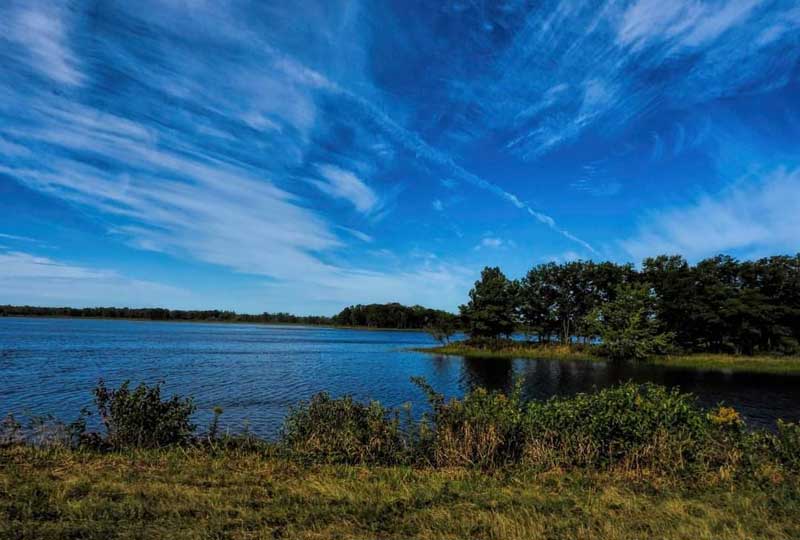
[628,326]
[787,444]
[639,428]
[483,429]
[342,430]
[139,418]
[628,424]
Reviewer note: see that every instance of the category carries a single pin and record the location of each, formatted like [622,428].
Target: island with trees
[720,312]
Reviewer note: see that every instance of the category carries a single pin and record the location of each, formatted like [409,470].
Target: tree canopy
[392,315]
[719,304]
[628,326]
[492,306]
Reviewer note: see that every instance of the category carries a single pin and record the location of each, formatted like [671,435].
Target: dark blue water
[255,372]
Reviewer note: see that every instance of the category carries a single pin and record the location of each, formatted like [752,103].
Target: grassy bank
[787,365]
[182,493]
[521,350]
[724,362]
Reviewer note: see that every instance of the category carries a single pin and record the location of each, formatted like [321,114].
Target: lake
[255,372]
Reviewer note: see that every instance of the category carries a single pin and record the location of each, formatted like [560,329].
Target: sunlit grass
[523,350]
[186,493]
[719,362]
[755,364]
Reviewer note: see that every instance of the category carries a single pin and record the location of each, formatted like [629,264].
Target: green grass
[192,493]
[546,352]
[754,364]
[721,362]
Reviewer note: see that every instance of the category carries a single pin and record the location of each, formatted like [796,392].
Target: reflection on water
[256,372]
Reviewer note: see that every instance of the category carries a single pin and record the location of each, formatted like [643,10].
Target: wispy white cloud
[42,29]
[364,237]
[11,149]
[570,67]
[17,237]
[686,23]
[748,218]
[341,184]
[595,181]
[433,284]
[437,205]
[493,242]
[28,278]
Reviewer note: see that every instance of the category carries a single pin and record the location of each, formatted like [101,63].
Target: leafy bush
[787,444]
[343,431]
[630,424]
[634,427]
[483,429]
[628,326]
[140,418]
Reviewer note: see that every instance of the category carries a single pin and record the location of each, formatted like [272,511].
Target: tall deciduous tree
[628,326]
[490,312]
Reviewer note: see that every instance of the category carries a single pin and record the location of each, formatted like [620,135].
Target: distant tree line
[160,314]
[719,304]
[393,315]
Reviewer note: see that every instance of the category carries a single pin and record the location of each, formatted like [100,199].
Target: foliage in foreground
[139,418]
[622,463]
[628,427]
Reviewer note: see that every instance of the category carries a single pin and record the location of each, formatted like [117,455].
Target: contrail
[412,142]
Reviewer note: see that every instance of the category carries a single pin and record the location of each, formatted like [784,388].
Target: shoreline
[770,364]
[526,352]
[203,321]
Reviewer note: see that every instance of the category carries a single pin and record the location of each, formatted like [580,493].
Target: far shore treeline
[160,314]
[392,315]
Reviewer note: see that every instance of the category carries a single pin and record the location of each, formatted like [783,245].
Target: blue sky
[301,156]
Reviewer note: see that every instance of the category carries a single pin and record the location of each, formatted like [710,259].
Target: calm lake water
[255,372]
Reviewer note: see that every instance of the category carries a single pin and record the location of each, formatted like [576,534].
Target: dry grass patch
[177,494]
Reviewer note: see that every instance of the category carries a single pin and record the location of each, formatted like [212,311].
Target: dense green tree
[392,315]
[555,299]
[676,302]
[535,300]
[491,310]
[627,325]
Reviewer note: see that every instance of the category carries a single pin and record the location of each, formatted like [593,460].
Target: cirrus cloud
[756,218]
